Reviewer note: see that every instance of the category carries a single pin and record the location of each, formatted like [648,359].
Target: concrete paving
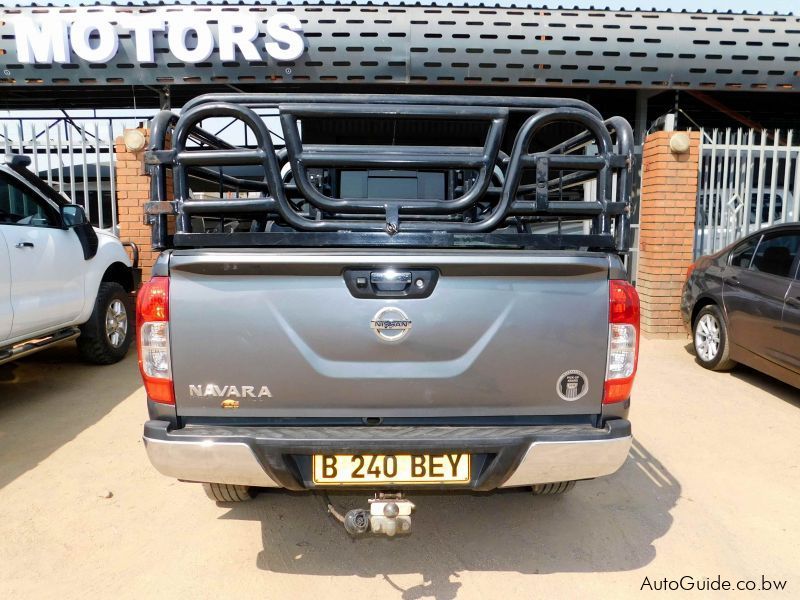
[711,488]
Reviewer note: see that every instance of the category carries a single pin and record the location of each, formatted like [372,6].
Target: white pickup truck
[60,279]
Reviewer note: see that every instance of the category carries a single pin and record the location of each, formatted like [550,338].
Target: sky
[765,6]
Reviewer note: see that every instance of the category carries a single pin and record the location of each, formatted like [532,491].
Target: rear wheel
[551,489]
[225,492]
[710,338]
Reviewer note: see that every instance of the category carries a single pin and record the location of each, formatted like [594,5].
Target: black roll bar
[477,205]
[398,157]
[516,103]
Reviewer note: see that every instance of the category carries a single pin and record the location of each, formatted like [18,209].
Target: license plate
[366,469]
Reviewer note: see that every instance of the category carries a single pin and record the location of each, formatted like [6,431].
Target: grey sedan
[742,304]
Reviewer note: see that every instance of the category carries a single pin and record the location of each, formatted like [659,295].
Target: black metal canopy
[396,46]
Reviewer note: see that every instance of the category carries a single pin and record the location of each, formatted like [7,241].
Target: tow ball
[388,514]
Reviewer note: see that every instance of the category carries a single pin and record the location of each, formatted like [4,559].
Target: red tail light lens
[623,340]
[152,343]
[690,270]
[152,302]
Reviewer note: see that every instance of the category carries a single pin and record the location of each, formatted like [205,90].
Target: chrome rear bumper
[207,461]
[548,462]
[273,457]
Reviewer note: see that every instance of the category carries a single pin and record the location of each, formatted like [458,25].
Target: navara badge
[391,324]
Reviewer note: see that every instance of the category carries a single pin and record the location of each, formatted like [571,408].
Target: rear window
[378,183]
[765,208]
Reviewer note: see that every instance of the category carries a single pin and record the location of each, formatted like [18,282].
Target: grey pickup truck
[407,292]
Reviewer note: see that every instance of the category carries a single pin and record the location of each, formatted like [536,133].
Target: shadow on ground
[50,397]
[773,386]
[608,524]
[762,381]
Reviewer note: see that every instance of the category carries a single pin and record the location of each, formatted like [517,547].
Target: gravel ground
[711,487]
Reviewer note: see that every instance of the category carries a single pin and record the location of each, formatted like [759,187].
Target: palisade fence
[748,180]
[73,155]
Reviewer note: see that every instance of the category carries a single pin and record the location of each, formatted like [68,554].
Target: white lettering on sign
[284,30]
[190,37]
[233,34]
[143,28]
[44,42]
[107,40]
[189,25]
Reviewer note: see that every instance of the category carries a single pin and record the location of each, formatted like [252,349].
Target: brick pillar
[666,240]
[133,190]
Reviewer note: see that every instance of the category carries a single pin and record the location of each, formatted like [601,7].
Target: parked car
[60,279]
[742,304]
[389,323]
[777,207]
[734,225]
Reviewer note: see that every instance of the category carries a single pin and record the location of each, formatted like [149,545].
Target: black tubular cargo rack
[498,193]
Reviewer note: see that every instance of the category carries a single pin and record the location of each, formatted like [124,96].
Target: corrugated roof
[432,3]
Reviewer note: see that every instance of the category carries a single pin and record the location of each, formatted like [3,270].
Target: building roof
[430,47]
[433,3]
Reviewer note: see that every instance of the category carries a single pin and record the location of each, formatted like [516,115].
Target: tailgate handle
[390,280]
[390,283]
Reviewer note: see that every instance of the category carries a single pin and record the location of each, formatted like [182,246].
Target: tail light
[623,340]
[152,319]
[690,270]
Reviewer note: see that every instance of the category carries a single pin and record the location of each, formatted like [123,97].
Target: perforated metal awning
[476,46]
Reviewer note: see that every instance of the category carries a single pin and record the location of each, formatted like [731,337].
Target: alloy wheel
[707,337]
[116,323]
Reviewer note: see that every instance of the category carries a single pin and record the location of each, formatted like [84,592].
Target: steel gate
[748,180]
[74,156]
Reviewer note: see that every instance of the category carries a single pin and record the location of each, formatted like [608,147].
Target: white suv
[60,279]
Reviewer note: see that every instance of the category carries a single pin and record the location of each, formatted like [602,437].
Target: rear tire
[106,336]
[552,489]
[225,492]
[710,339]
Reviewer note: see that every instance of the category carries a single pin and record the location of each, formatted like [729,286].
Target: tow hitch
[388,514]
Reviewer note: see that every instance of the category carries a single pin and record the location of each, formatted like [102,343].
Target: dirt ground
[711,487]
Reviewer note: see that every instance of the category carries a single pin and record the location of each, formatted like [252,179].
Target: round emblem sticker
[572,385]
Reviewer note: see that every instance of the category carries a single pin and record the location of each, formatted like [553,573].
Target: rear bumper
[686,308]
[509,456]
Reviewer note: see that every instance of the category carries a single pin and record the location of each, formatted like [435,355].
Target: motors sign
[192,37]
[316,43]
